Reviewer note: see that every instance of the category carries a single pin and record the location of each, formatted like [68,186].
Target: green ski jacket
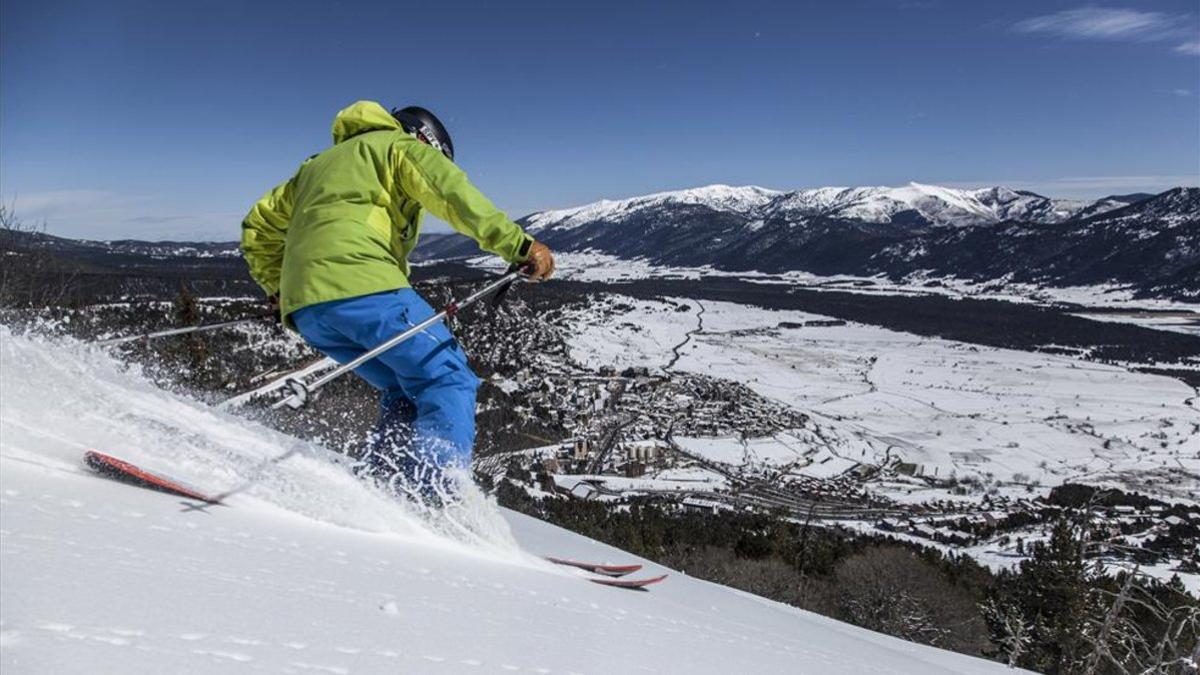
[343,226]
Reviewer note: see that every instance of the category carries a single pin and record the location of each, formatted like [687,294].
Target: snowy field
[1181,321]
[310,572]
[795,452]
[1022,421]
[595,266]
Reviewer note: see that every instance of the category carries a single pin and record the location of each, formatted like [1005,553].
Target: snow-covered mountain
[923,205]
[914,204]
[309,571]
[1153,245]
[724,198]
[1146,243]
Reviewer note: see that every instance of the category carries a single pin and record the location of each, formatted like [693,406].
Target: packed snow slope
[309,571]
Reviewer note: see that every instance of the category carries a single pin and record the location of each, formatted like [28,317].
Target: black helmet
[426,126]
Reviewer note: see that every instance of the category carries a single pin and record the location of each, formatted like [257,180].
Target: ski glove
[540,263]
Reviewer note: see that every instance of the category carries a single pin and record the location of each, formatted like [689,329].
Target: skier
[330,246]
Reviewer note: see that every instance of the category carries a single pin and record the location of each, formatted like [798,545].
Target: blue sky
[166,120]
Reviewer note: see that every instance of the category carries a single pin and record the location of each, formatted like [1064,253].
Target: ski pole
[300,390]
[176,331]
[252,477]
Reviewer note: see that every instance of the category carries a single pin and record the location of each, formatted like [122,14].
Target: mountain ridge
[1150,245]
[931,205]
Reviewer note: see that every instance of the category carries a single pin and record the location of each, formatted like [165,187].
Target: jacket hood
[361,117]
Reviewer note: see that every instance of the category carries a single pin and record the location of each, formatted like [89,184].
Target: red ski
[610,573]
[597,568]
[632,584]
[118,469]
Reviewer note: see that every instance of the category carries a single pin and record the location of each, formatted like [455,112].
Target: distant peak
[718,196]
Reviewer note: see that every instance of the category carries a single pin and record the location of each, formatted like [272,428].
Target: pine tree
[1050,599]
[186,310]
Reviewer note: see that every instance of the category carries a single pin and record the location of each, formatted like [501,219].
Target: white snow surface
[310,571]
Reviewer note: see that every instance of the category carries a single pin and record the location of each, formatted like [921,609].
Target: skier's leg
[445,420]
[316,325]
[442,435]
[393,429]
[391,438]
[434,373]
[430,369]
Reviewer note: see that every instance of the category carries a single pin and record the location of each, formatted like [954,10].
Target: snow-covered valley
[958,445]
[1019,419]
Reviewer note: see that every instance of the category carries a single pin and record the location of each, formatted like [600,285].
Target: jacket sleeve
[427,176]
[263,233]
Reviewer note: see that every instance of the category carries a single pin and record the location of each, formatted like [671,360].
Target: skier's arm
[263,232]
[442,188]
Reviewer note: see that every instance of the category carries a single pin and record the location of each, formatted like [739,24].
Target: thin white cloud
[41,205]
[100,214]
[1098,23]
[1117,25]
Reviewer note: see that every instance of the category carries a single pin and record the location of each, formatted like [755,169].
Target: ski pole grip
[500,294]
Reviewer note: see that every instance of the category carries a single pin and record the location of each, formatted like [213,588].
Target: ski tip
[120,470]
[596,568]
[630,584]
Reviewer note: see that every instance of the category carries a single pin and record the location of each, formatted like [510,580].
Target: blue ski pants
[428,388]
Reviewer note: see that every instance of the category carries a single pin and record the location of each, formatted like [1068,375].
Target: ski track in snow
[311,572]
